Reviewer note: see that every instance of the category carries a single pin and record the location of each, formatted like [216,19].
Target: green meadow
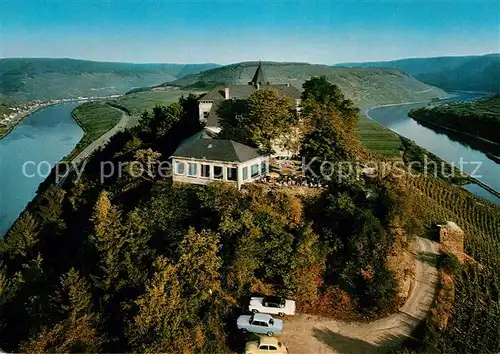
[95,118]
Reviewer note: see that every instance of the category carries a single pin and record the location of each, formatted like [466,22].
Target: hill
[472,73]
[365,86]
[43,78]
[478,119]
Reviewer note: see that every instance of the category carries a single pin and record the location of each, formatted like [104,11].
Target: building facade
[209,102]
[202,160]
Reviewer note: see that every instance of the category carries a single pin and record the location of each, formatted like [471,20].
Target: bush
[449,263]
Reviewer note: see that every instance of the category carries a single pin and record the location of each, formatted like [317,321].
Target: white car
[273,305]
[266,345]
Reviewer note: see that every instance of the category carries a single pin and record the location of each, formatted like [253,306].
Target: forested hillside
[479,118]
[365,87]
[472,73]
[43,78]
[135,263]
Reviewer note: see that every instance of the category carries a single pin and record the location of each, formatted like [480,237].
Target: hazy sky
[230,31]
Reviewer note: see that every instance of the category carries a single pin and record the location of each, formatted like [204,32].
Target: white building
[201,159]
[209,102]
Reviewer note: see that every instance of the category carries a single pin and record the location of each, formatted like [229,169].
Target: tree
[329,125]
[77,330]
[121,244]
[108,240]
[72,299]
[322,92]
[21,238]
[198,266]
[50,207]
[157,327]
[267,118]
[164,118]
[328,143]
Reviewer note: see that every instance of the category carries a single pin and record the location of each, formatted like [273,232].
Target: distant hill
[471,73]
[43,78]
[365,86]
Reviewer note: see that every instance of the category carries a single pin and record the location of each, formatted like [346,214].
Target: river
[37,142]
[396,118]
[46,136]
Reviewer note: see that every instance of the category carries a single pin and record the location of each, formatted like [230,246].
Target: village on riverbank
[12,114]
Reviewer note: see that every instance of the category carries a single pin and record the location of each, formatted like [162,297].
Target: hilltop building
[203,158]
[209,102]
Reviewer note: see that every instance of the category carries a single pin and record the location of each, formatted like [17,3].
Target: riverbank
[14,121]
[95,119]
[453,151]
[479,119]
[28,153]
[18,118]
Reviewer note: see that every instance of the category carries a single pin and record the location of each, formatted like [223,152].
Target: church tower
[259,79]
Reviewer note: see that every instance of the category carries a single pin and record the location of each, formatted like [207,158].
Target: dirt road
[306,334]
[101,141]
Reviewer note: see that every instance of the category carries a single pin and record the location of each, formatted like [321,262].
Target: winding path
[103,139]
[99,142]
[320,335]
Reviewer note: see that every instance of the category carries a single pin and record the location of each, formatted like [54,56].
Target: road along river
[396,118]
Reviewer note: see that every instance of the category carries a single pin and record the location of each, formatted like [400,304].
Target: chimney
[226,93]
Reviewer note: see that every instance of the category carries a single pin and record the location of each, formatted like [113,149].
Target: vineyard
[474,325]
[479,218]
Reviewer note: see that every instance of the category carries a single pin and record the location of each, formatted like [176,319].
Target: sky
[228,31]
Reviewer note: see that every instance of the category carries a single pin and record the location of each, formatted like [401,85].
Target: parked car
[259,323]
[265,345]
[273,305]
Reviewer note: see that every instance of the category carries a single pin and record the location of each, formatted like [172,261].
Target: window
[245,173]
[263,170]
[272,347]
[205,171]
[179,168]
[218,172]
[263,347]
[232,174]
[192,167]
[271,304]
[255,170]
[205,115]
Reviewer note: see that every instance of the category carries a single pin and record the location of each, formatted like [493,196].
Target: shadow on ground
[428,257]
[344,344]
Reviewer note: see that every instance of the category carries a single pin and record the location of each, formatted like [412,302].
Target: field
[378,139]
[138,102]
[95,118]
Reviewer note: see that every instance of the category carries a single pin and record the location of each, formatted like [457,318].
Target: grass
[135,103]
[138,102]
[95,118]
[378,139]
